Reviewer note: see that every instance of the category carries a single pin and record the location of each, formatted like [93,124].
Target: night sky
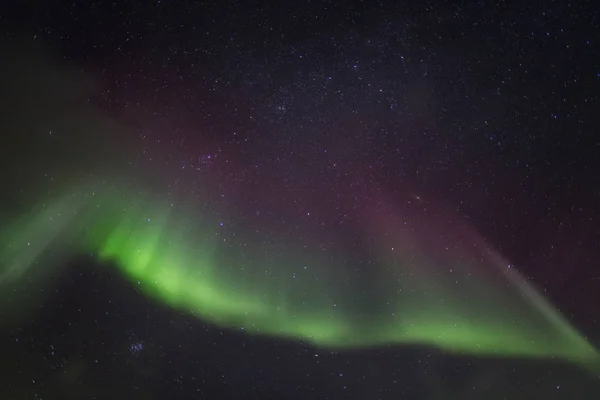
[299,200]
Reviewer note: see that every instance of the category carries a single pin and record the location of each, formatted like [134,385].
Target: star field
[308,200]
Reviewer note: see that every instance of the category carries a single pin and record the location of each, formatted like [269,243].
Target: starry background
[485,107]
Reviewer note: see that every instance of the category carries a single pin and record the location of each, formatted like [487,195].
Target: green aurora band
[171,253]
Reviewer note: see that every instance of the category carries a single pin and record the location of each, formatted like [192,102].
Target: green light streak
[176,257]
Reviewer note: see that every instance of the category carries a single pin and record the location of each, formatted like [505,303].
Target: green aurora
[174,255]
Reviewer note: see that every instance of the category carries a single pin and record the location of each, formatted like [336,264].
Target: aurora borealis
[324,200]
[450,290]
